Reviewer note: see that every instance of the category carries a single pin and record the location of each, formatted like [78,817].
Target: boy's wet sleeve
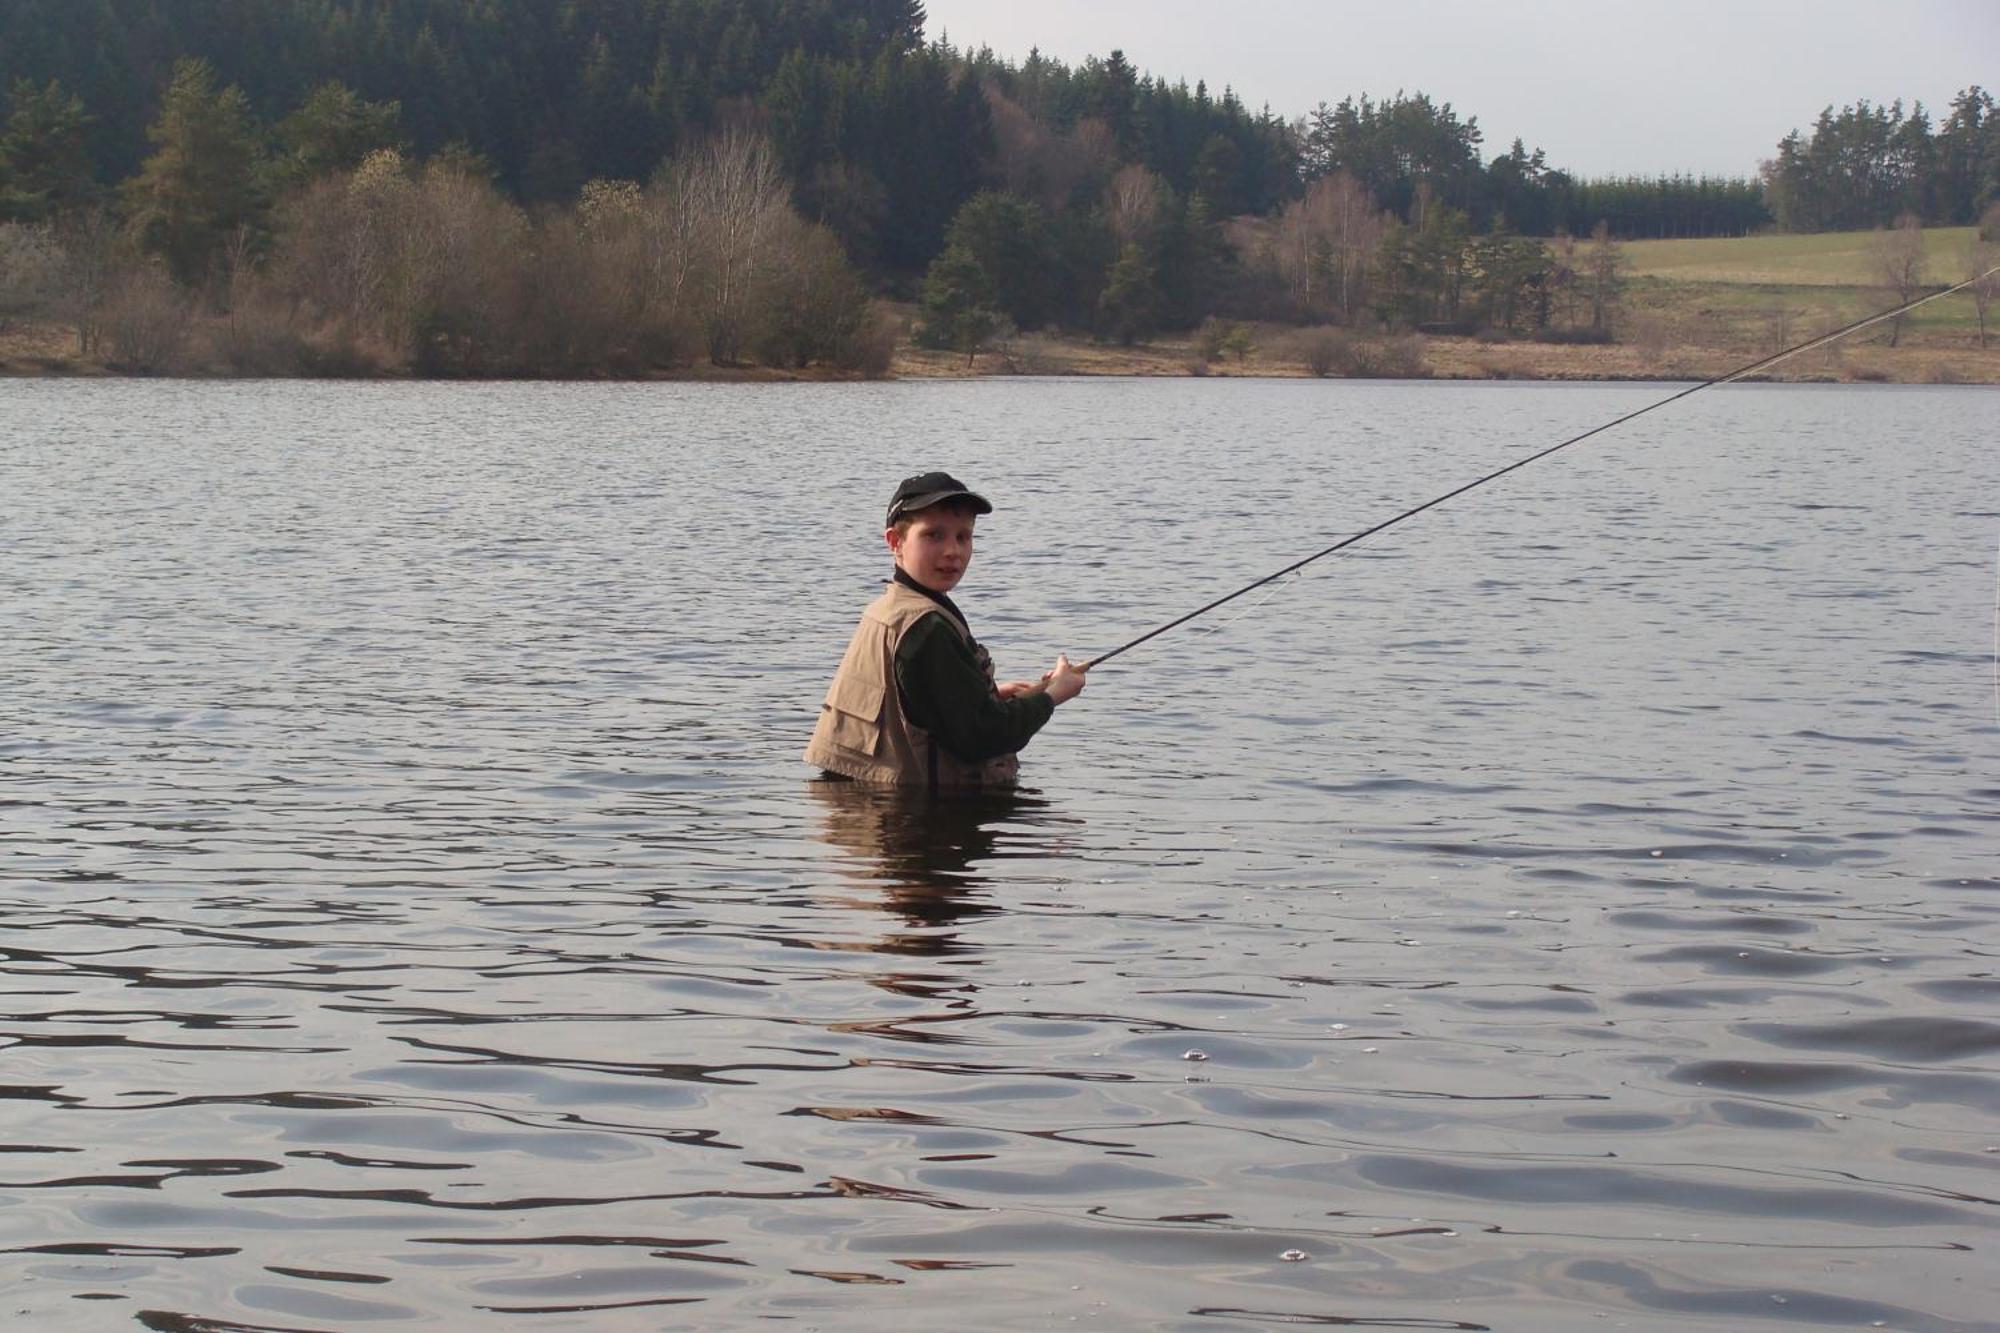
[946,693]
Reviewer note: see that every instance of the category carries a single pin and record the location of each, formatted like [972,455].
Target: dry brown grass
[42,349]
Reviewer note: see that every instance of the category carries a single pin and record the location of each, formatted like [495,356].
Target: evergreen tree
[1968,158]
[958,312]
[1193,261]
[44,155]
[1129,308]
[201,185]
[1002,238]
[333,130]
[1513,277]
[1218,174]
[1113,90]
[896,25]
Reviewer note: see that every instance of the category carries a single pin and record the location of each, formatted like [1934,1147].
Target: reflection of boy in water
[915,702]
[898,851]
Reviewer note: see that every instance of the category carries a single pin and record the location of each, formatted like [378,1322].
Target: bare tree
[1983,266]
[1603,265]
[735,194]
[145,321]
[93,246]
[1133,202]
[1323,245]
[1897,255]
[668,239]
[1562,276]
[30,271]
[1043,164]
[461,273]
[1034,162]
[342,251]
[427,264]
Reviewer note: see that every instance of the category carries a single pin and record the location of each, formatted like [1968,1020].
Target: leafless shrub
[94,249]
[587,282]
[1897,255]
[425,263]
[1210,339]
[463,273]
[144,322]
[1983,266]
[1395,359]
[337,351]
[811,306]
[572,311]
[1320,350]
[258,337]
[1603,276]
[1328,351]
[872,349]
[432,270]
[1652,335]
[31,265]
[340,240]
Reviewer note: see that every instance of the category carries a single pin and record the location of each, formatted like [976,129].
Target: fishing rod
[1345,542]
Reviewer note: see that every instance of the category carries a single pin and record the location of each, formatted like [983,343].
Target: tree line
[1865,166]
[569,155]
[884,136]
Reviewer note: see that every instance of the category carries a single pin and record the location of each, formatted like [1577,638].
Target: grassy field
[1829,259]
[1763,292]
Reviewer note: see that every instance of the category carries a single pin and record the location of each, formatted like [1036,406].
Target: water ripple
[1574,912]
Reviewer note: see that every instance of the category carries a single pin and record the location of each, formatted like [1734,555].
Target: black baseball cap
[929,488]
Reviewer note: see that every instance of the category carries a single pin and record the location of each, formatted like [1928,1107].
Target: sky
[1614,87]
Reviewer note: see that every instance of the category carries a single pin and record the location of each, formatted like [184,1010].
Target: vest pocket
[854,712]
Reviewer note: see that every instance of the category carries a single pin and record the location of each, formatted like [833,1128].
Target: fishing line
[1248,608]
[1345,542]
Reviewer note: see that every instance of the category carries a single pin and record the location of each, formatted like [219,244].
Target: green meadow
[1776,285]
[1822,259]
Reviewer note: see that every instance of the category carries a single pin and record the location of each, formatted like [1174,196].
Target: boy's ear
[894,539]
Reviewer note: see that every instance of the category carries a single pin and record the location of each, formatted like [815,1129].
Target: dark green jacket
[946,689]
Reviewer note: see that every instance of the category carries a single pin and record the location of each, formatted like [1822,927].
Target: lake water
[1572,909]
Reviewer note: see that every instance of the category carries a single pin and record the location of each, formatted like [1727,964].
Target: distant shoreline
[1686,310]
[43,352]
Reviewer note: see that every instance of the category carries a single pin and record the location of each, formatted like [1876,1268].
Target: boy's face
[936,547]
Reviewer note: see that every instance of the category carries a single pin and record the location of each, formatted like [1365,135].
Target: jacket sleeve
[946,693]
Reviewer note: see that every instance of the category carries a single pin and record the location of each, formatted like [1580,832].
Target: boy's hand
[1065,680]
[1014,689]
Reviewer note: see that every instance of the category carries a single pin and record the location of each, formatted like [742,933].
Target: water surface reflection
[924,857]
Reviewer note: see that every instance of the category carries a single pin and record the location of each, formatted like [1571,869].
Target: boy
[914,702]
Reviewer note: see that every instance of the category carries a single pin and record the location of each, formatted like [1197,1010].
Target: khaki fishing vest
[863,732]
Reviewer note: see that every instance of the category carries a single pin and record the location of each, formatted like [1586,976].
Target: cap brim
[980,504]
